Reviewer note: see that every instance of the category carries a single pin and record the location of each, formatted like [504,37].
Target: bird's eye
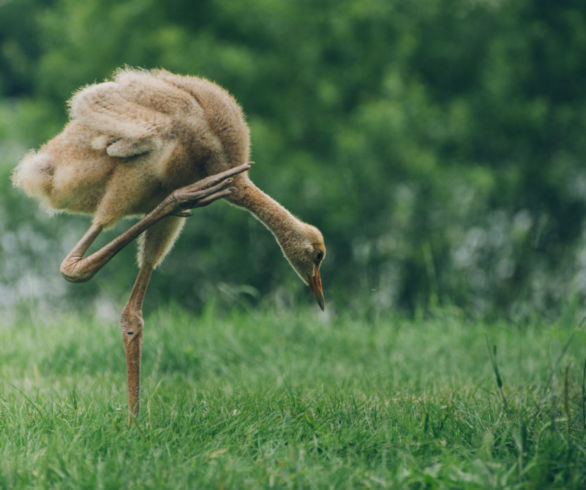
[319,256]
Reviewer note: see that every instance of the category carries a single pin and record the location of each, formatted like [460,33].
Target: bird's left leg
[77,268]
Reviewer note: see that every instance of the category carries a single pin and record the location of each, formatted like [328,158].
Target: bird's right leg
[156,241]
[132,326]
[76,268]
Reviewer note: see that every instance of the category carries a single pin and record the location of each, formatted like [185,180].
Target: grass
[275,399]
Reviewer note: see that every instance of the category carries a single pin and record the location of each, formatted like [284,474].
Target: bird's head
[305,250]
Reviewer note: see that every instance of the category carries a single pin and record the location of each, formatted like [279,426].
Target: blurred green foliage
[438,144]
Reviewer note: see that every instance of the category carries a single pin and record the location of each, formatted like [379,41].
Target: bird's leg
[132,326]
[76,268]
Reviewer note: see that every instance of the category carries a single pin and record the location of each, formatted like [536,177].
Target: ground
[266,398]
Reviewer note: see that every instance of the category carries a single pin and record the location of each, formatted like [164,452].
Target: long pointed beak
[316,289]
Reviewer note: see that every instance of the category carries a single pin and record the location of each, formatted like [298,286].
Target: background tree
[443,140]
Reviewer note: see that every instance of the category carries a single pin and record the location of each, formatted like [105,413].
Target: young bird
[155,144]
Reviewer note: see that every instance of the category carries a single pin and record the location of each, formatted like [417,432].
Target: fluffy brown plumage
[133,140]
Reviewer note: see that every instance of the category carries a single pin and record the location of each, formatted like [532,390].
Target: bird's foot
[203,192]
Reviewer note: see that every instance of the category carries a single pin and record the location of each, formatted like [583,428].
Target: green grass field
[271,399]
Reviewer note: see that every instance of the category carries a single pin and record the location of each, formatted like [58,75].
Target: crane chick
[155,144]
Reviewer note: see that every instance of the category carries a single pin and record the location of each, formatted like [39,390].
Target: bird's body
[132,141]
[154,143]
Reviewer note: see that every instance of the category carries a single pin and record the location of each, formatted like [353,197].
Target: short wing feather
[125,128]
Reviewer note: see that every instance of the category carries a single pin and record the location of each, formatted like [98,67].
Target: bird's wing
[125,128]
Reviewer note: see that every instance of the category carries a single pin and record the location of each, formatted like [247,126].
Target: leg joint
[72,271]
[131,323]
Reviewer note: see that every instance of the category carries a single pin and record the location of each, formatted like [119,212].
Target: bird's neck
[284,226]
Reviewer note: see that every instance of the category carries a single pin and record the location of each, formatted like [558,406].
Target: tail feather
[34,174]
